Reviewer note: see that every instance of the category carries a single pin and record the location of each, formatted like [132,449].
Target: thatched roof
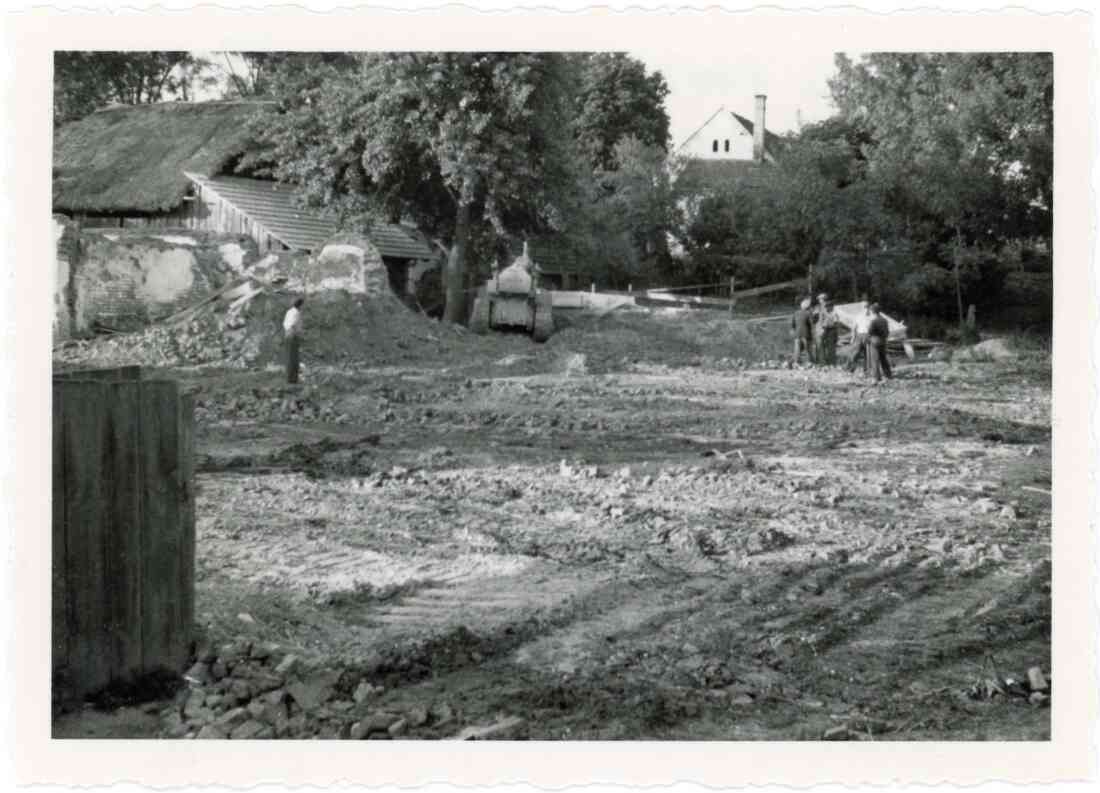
[132,159]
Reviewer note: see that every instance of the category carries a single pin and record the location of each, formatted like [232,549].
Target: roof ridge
[175,103]
[703,126]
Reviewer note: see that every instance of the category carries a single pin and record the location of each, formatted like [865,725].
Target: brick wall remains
[126,279]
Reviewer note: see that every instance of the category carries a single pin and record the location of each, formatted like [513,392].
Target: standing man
[827,332]
[859,339]
[292,335]
[802,323]
[818,315]
[877,333]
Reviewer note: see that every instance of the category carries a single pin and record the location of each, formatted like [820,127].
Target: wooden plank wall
[203,211]
[123,529]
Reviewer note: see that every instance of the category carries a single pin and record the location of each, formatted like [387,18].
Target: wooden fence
[123,529]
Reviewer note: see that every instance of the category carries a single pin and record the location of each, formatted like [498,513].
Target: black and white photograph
[552,395]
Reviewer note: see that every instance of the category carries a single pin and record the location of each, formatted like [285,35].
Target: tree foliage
[85,81]
[935,171]
[454,141]
[617,99]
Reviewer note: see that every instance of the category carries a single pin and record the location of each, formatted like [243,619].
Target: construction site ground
[647,528]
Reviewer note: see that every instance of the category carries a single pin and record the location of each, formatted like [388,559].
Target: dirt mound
[246,332]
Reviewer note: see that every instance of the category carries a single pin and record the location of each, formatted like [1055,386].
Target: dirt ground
[647,528]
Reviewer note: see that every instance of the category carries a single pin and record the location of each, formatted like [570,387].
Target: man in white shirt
[292,335]
[859,338]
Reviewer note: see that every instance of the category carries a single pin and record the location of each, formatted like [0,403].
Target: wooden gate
[123,529]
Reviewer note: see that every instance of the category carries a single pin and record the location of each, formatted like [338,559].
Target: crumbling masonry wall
[125,279]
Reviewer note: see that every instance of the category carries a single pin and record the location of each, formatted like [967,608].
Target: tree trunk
[958,279]
[453,282]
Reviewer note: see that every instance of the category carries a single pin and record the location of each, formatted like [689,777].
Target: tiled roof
[272,205]
[772,142]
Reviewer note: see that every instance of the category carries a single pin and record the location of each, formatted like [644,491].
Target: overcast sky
[700,84]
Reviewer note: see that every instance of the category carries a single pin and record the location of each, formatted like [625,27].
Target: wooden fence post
[122,551]
[83,425]
[59,596]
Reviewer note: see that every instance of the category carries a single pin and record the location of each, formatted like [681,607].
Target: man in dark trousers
[292,334]
[827,334]
[803,324]
[877,334]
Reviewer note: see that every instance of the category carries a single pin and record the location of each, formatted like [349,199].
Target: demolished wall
[124,280]
[66,241]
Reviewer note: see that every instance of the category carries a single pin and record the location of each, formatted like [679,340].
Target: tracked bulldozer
[512,300]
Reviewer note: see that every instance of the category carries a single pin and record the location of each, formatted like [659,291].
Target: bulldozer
[512,299]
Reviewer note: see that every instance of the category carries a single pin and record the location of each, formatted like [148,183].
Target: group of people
[816,330]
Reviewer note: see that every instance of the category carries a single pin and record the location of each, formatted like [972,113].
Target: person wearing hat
[802,323]
[877,333]
[826,332]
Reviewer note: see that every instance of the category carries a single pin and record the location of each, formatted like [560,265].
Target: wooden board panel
[160,526]
[83,408]
[187,524]
[59,632]
[114,373]
[121,471]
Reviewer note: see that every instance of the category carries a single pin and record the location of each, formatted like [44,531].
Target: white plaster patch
[168,274]
[346,284]
[268,261]
[176,239]
[232,255]
[339,249]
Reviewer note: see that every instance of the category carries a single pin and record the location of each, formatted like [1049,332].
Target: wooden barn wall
[204,211]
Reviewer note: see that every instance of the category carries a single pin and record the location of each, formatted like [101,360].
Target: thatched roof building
[131,160]
[167,166]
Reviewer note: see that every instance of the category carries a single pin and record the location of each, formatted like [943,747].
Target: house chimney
[758,129]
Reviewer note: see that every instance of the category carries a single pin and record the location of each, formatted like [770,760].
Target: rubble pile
[246,332]
[264,404]
[234,335]
[244,690]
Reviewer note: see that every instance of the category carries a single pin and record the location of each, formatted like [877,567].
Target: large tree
[456,141]
[617,99]
[964,142]
[988,115]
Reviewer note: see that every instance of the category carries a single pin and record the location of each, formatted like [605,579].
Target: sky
[699,85]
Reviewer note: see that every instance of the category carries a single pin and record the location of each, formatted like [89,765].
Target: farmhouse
[168,166]
[728,147]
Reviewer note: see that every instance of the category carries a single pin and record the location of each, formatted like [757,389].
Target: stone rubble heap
[244,690]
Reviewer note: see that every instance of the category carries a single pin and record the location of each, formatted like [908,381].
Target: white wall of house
[724,133]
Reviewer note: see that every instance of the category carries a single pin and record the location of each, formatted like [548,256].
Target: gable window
[727,145]
[715,146]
